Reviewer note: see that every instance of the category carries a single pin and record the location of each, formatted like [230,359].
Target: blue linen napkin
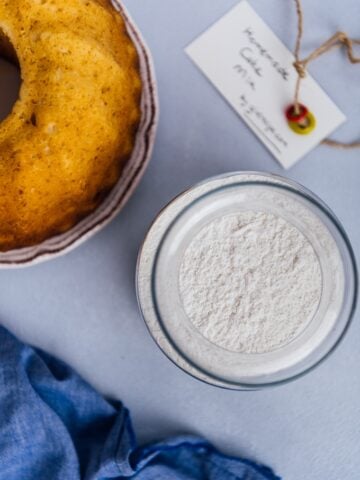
[54,426]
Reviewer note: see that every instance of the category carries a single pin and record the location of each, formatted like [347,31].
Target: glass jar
[158,280]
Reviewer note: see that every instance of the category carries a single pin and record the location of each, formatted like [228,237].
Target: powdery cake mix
[250,282]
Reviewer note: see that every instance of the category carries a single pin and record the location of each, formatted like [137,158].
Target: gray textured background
[82,307]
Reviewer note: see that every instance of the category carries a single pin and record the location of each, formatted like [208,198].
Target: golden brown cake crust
[68,137]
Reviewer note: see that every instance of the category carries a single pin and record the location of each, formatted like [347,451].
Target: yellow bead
[304,129]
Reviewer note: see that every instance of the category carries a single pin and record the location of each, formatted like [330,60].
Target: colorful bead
[302,122]
[304,128]
[294,116]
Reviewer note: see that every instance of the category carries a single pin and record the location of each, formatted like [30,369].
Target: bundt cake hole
[7,49]
[10,79]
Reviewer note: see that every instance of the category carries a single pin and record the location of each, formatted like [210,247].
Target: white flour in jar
[250,282]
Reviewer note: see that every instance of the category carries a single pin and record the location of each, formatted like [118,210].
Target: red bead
[296,117]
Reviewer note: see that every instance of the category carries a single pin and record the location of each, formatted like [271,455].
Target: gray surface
[82,307]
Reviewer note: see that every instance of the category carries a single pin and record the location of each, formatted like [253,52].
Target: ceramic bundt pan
[133,171]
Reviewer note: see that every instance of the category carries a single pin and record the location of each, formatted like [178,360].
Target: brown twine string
[339,39]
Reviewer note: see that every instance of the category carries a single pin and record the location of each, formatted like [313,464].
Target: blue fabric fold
[54,426]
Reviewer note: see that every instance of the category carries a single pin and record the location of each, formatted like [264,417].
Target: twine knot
[343,38]
[300,68]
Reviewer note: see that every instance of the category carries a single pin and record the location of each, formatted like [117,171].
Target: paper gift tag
[254,71]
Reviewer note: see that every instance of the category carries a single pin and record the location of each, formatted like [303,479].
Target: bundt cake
[66,141]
